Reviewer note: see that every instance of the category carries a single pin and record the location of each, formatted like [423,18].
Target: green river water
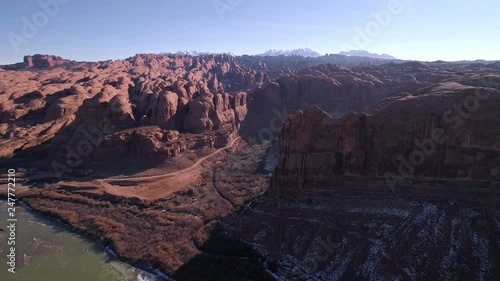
[47,251]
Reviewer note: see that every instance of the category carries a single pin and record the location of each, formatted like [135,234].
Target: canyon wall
[445,131]
[48,103]
[162,105]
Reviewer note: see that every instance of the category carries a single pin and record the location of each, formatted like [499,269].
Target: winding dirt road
[176,173]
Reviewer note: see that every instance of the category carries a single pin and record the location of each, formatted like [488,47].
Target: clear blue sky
[99,29]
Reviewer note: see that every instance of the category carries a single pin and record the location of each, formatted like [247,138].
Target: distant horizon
[20,60]
[73,58]
[95,30]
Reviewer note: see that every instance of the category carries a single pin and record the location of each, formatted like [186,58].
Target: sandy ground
[150,187]
[18,189]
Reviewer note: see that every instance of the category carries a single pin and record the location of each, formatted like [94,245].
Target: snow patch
[481,253]
[375,255]
[259,236]
[145,276]
[382,211]
[497,223]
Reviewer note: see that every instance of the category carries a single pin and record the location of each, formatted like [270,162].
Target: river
[46,250]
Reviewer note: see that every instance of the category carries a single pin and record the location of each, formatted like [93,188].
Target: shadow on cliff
[224,258]
[69,153]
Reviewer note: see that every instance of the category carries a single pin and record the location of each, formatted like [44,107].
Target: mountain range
[196,53]
[306,52]
[362,53]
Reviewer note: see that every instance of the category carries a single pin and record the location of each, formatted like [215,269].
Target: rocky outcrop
[162,109]
[335,88]
[445,131]
[434,120]
[363,231]
[109,104]
[213,96]
[199,95]
[151,142]
[42,61]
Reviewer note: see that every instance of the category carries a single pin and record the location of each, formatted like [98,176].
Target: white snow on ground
[375,255]
[428,209]
[447,228]
[431,223]
[339,265]
[160,274]
[311,259]
[259,236]
[321,222]
[402,213]
[145,276]
[450,259]
[411,272]
[383,229]
[471,213]
[387,229]
[439,225]
[481,253]
[276,277]
[299,240]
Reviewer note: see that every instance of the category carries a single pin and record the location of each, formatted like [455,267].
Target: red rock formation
[427,134]
[215,96]
[163,108]
[153,141]
[336,89]
[41,61]
[175,92]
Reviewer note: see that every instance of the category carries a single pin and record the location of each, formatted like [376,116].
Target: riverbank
[48,250]
[156,235]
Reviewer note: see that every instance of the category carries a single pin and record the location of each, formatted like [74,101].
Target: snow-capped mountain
[306,52]
[196,53]
[362,53]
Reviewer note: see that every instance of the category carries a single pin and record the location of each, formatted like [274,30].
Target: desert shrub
[165,255]
[105,224]
[66,216]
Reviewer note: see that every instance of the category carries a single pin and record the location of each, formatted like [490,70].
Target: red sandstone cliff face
[216,97]
[336,89]
[444,131]
[48,108]
[210,95]
[41,61]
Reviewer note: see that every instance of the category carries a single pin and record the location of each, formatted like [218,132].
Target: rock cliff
[46,109]
[50,103]
[445,131]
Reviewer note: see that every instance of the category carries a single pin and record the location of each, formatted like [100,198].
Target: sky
[95,30]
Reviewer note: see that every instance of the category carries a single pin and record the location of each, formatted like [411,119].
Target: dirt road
[176,173]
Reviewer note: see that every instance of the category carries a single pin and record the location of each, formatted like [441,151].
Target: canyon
[172,159]
[408,135]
